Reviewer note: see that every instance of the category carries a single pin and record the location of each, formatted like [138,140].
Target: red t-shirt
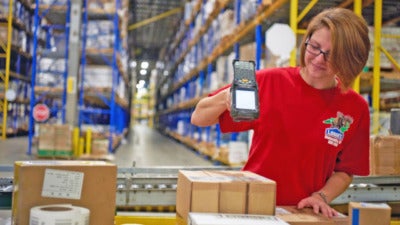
[304,134]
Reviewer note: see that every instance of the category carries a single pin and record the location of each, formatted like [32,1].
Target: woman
[312,134]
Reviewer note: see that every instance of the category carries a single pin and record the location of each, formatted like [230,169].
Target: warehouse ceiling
[154,23]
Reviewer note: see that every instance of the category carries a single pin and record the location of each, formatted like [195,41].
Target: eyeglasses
[316,51]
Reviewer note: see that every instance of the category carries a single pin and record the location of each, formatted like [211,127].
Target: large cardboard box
[362,213]
[216,191]
[385,155]
[306,216]
[88,184]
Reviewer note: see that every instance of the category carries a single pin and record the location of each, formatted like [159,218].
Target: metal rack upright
[51,21]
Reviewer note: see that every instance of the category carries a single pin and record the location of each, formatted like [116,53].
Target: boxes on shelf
[385,155]
[362,213]
[63,140]
[103,5]
[47,182]
[16,40]
[55,140]
[224,192]
[46,140]
[306,216]
[100,146]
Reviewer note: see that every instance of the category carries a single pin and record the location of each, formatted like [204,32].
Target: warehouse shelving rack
[102,109]
[169,116]
[96,107]
[15,65]
[52,22]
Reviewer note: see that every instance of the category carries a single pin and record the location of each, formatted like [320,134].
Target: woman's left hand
[318,204]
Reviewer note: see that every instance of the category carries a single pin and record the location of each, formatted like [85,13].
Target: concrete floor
[144,147]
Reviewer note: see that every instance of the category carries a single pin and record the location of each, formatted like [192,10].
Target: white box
[233,219]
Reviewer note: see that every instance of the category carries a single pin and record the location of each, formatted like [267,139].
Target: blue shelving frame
[110,113]
[58,14]
[15,62]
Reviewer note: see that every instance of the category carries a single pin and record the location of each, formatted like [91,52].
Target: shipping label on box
[87,184]
[233,219]
[362,213]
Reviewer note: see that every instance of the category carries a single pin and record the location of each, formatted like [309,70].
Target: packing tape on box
[59,214]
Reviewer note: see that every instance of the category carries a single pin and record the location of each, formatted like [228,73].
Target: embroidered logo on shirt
[339,126]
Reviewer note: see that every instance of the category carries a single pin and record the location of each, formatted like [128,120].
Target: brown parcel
[306,216]
[385,155]
[224,192]
[362,213]
[97,193]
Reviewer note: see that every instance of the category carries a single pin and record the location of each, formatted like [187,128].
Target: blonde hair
[350,43]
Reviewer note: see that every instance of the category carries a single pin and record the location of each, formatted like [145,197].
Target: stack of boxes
[236,196]
[55,141]
[237,192]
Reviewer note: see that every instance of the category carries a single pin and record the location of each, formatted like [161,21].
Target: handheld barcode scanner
[244,91]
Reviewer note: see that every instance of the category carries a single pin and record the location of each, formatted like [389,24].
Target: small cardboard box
[224,191]
[46,140]
[196,192]
[233,219]
[260,191]
[305,216]
[88,184]
[232,191]
[295,216]
[362,213]
[385,155]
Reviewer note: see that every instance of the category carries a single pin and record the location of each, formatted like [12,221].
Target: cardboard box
[46,140]
[232,191]
[362,213]
[224,191]
[295,216]
[196,192]
[63,140]
[88,184]
[100,146]
[385,155]
[261,191]
[55,140]
[233,219]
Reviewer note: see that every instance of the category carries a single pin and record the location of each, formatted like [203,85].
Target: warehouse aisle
[144,146]
[147,148]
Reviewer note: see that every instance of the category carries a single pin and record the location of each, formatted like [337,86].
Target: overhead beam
[154,19]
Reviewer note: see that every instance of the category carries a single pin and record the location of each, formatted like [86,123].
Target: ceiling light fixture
[144,65]
[143,72]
